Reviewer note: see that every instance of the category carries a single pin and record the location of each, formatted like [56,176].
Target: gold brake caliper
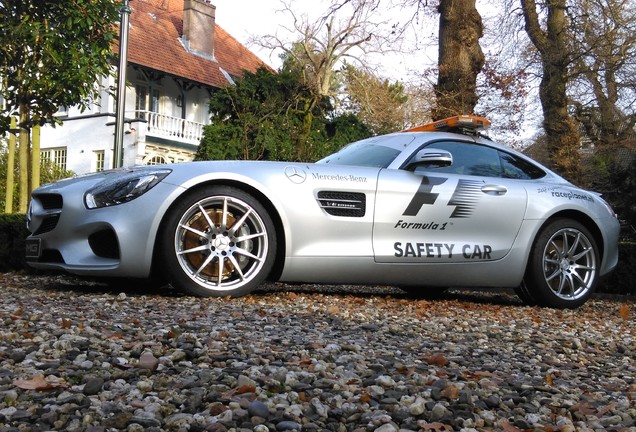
[192,240]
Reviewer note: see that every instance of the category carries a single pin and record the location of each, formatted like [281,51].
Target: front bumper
[110,241]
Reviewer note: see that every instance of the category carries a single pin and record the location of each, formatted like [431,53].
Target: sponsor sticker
[569,195]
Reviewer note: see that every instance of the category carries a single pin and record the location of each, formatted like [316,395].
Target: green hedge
[13,232]
[623,279]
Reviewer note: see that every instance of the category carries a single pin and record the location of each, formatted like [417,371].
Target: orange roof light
[467,122]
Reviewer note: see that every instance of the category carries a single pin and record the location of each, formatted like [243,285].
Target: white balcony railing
[174,128]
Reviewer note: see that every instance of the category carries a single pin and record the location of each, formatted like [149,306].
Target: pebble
[74,355]
[93,386]
[258,409]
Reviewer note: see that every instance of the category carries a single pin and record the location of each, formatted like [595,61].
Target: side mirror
[430,158]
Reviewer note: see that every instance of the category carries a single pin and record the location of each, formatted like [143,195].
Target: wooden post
[8,202]
[23,162]
[35,158]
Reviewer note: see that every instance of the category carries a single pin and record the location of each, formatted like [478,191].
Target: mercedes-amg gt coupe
[435,206]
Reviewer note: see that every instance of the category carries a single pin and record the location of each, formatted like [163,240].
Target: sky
[246,19]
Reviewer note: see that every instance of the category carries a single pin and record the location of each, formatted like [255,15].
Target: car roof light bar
[459,123]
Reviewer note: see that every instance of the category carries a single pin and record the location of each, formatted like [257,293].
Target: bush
[13,232]
[622,280]
[49,172]
[613,174]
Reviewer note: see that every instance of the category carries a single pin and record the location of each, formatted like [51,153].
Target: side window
[470,159]
[517,168]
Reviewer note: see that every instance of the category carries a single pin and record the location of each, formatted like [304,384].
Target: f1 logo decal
[465,197]
[424,195]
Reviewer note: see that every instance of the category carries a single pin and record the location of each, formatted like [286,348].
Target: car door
[465,212]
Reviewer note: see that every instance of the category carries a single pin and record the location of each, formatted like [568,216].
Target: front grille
[51,207]
[346,204]
[48,224]
[50,201]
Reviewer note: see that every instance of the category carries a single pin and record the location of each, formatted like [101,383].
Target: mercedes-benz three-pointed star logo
[295,175]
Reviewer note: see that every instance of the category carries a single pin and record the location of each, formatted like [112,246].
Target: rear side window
[514,167]
[483,161]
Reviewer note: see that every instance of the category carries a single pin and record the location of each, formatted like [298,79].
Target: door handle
[494,189]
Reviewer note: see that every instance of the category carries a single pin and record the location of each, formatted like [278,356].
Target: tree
[460,58]
[347,30]
[552,44]
[262,116]
[604,83]
[254,119]
[379,104]
[51,54]
[506,84]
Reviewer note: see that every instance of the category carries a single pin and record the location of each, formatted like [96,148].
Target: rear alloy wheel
[219,241]
[563,267]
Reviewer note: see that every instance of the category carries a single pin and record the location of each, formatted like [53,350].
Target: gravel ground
[81,356]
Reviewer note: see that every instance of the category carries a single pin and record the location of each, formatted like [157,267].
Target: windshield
[377,152]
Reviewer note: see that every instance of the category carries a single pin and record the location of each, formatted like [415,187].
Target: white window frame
[56,155]
[99,160]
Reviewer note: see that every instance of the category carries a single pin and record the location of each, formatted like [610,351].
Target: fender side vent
[346,204]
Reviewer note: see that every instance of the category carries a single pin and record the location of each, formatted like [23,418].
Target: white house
[177,56]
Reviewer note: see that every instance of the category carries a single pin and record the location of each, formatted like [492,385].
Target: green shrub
[13,232]
[49,172]
[622,280]
[613,173]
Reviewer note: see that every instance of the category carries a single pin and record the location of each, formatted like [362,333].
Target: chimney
[198,26]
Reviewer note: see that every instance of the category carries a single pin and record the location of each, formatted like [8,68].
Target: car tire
[562,270]
[218,241]
[525,294]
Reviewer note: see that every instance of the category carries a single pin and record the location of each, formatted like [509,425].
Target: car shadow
[497,296]
[112,286]
[138,287]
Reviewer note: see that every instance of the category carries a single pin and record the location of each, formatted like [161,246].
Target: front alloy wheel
[563,267]
[220,241]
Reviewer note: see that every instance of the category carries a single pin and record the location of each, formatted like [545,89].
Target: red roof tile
[153,41]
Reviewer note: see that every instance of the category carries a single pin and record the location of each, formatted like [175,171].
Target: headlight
[123,188]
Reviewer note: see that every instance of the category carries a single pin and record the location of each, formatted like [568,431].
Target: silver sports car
[433,207]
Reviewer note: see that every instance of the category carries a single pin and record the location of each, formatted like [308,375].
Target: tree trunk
[302,149]
[460,58]
[561,131]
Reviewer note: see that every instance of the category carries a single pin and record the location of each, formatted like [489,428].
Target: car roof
[417,139]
